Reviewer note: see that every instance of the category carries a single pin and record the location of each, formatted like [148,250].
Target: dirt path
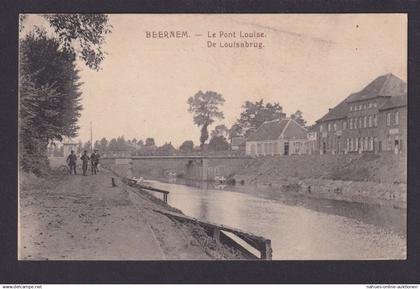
[85,218]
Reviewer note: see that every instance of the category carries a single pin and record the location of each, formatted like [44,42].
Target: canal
[299,227]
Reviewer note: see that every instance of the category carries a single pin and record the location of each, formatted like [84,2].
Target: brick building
[371,120]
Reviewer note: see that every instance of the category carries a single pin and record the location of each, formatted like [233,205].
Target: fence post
[266,253]
[216,234]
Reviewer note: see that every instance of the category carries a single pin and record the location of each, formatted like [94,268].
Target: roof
[272,130]
[384,85]
[238,140]
[338,112]
[394,102]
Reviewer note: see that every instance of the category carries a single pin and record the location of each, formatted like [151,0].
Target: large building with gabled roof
[371,120]
[277,137]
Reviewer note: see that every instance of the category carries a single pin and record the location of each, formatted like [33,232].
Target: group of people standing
[93,158]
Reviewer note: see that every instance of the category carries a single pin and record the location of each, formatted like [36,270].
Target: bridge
[192,157]
[195,167]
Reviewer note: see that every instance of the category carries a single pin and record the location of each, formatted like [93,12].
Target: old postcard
[212,137]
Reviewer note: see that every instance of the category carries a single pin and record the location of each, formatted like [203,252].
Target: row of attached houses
[371,120]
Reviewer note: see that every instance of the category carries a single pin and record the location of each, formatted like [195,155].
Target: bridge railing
[262,244]
[134,184]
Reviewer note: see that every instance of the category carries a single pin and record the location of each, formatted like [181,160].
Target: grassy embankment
[370,178]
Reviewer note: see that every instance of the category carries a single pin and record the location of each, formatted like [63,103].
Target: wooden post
[216,234]
[113,182]
[266,253]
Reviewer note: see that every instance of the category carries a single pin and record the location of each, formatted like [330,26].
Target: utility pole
[91,143]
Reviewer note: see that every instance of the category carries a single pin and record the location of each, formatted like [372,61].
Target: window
[375,104]
[276,148]
[375,120]
[351,107]
[388,119]
[370,121]
[370,105]
[344,124]
[364,122]
[371,143]
[360,123]
[366,144]
[329,127]
[335,126]
[320,128]
[266,148]
[259,148]
[364,106]
[397,118]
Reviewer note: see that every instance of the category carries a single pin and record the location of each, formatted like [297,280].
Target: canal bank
[67,217]
[367,178]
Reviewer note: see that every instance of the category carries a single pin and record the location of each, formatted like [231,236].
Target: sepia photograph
[251,137]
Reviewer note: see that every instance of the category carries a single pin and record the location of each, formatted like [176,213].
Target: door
[286,148]
[396,146]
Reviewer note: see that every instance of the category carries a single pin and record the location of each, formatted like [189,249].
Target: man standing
[94,161]
[71,161]
[85,159]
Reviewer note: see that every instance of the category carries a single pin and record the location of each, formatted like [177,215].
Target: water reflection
[385,216]
[299,227]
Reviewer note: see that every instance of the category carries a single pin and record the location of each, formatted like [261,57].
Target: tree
[49,84]
[166,150]
[85,31]
[235,130]
[49,97]
[121,144]
[218,143]
[220,130]
[187,146]
[103,145]
[150,141]
[113,147]
[298,117]
[97,145]
[140,142]
[205,108]
[255,114]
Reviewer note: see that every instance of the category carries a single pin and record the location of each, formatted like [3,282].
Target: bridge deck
[177,157]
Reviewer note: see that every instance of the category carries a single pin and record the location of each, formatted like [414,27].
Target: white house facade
[278,137]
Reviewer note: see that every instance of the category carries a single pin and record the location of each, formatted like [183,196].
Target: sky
[309,62]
